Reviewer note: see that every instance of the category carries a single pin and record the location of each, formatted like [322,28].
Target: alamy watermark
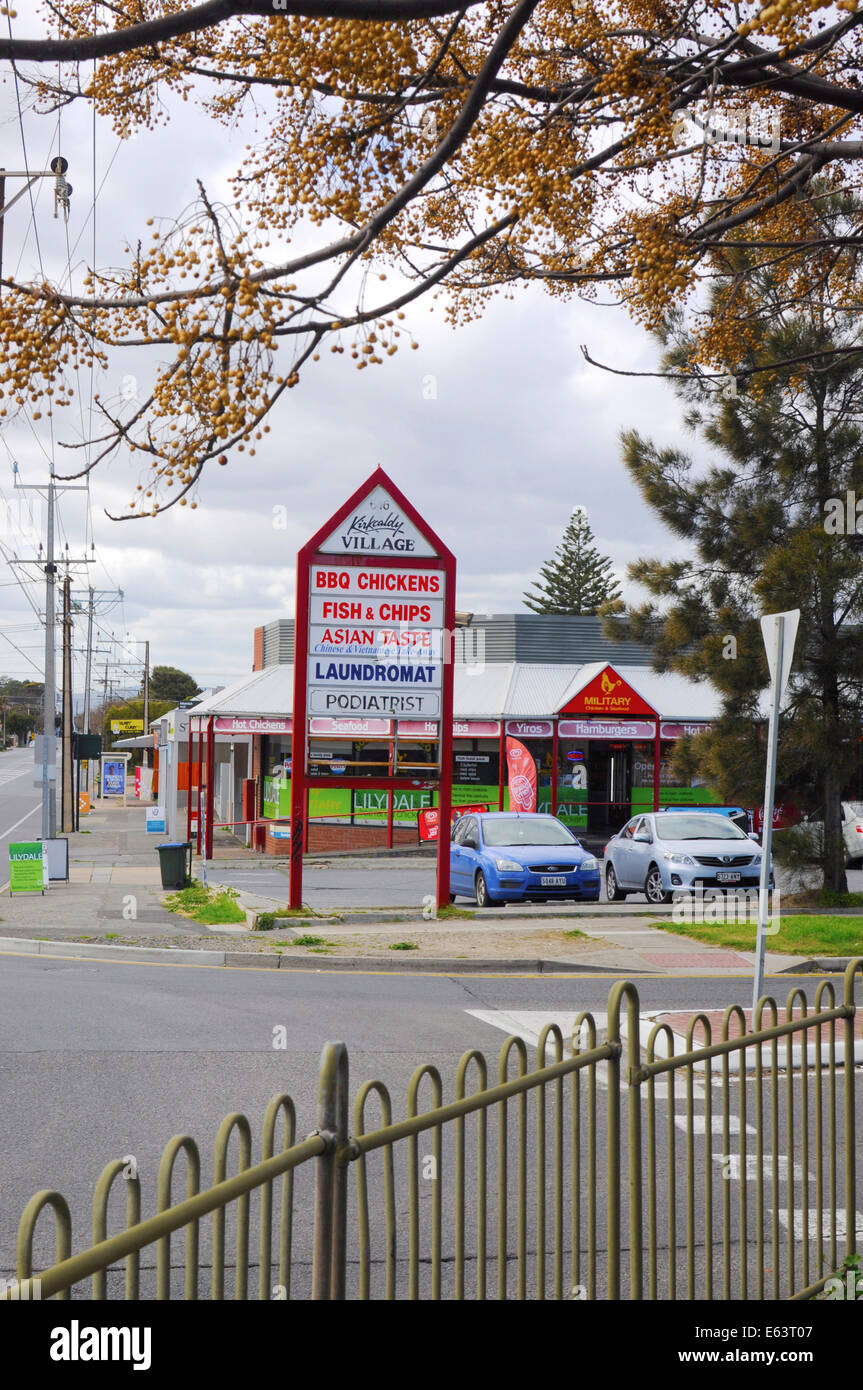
[720,908]
[751,126]
[843,516]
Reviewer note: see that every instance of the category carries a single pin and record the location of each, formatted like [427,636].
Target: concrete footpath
[113,908]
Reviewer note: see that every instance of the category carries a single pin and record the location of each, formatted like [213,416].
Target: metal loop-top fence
[735,1176]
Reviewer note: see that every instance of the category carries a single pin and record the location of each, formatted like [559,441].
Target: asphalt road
[20,803]
[340,884]
[107,1060]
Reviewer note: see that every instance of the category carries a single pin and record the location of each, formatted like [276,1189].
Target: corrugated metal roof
[266,692]
[481,692]
[548,639]
[499,690]
[527,638]
[536,690]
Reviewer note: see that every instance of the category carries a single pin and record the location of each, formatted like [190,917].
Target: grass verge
[811,935]
[209,906]
[266,921]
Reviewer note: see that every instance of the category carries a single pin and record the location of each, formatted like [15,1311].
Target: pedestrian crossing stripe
[812,1223]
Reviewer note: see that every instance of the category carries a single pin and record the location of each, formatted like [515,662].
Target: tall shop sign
[375,613]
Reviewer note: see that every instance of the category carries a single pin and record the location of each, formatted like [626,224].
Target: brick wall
[334,837]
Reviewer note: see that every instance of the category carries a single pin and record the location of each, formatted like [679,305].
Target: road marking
[732,1160]
[529,1023]
[4,781]
[715,1124]
[812,1223]
[4,833]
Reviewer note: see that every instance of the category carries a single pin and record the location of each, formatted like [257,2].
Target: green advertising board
[26,874]
[371,805]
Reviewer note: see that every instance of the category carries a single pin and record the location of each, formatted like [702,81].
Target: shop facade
[601,738]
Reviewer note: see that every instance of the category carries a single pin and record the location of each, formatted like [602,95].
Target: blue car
[505,857]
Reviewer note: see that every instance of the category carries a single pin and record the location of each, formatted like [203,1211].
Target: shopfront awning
[494,690]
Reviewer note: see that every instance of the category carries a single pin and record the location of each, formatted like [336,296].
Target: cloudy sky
[494,431]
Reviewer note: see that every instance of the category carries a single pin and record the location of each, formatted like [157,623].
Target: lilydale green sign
[25,868]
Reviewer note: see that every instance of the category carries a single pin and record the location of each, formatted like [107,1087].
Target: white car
[852,832]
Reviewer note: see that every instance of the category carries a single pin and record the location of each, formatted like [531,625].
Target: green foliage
[20,707]
[404,946]
[754,508]
[131,709]
[209,906]
[827,898]
[266,921]
[577,580]
[798,851]
[309,941]
[810,935]
[169,683]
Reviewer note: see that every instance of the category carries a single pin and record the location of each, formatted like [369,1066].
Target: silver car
[664,853]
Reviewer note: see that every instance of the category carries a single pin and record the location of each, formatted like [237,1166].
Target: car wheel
[654,890]
[482,894]
[613,892]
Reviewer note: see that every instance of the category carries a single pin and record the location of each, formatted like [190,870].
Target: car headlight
[679,858]
[589,864]
[509,866]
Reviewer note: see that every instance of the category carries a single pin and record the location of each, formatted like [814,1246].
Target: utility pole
[92,601]
[146,698]
[49,705]
[62,190]
[67,799]
[49,793]
[88,660]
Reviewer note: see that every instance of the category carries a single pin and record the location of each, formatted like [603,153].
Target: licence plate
[727,878]
[548,882]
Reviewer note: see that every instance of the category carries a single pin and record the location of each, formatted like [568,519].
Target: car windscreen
[693,827]
[527,830]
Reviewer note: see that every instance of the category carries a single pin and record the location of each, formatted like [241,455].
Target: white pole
[49,802]
[767,817]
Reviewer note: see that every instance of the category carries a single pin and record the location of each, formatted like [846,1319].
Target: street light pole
[779,631]
[767,815]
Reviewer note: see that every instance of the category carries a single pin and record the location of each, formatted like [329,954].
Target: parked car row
[505,856]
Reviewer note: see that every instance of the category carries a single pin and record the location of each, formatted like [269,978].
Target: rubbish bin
[175,863]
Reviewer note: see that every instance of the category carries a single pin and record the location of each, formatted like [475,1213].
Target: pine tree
[766,529]
[577,580]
